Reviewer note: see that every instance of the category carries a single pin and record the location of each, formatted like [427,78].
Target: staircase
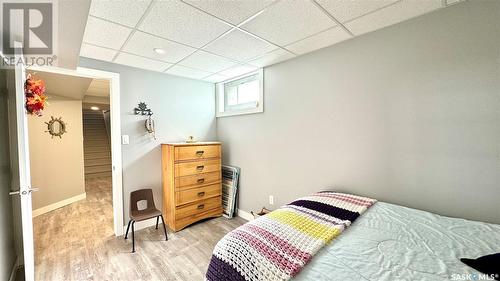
[96,146]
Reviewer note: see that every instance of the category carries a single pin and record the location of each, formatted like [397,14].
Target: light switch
[125,139]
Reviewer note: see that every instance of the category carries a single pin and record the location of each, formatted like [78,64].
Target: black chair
[140,215]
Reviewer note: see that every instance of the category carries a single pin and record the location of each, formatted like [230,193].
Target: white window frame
[221,102]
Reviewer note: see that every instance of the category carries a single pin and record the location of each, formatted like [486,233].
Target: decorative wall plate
[56,127]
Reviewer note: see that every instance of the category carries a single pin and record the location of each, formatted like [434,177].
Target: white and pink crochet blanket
[278,245]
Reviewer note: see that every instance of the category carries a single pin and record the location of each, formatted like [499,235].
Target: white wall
[408,114]
[181,107]
[57,166]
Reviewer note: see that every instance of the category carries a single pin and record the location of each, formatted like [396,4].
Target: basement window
[241,95]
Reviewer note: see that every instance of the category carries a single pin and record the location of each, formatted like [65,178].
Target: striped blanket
[278,245]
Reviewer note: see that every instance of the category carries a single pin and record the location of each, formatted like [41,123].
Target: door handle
[25,192]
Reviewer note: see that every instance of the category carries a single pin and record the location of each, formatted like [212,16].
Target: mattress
[391,242]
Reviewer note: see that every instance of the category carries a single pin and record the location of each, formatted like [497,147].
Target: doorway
[75,225]
[20,188]
[113,112]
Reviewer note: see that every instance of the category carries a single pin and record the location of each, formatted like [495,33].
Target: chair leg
[133,238]
[157,218]
[128,226]
[164,228]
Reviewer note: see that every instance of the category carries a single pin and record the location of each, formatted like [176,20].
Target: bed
[391,242]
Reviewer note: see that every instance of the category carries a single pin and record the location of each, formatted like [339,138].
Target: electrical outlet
[271,199]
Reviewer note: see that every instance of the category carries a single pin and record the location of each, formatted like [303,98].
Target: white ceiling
[72,87]
[97,94]
[214,40]
[98,88]
[63,86]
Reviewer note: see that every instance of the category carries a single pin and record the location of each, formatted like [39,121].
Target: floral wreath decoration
[34,91]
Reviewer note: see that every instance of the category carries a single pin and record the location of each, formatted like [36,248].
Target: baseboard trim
[152,222]
[142,224]
[15,267]
[245,215]
[57,205]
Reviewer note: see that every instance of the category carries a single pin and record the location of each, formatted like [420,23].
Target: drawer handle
[201,194]
[199,153]
[201,180]
[201,206]
[200,168]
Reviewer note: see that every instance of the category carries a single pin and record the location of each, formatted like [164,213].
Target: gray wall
[7,252]
[181,107]
[408,114]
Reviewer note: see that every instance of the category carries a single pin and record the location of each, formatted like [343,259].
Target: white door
[20,166]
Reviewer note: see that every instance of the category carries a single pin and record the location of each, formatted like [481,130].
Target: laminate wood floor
[77,242]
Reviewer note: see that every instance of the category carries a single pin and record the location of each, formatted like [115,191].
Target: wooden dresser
[192,188]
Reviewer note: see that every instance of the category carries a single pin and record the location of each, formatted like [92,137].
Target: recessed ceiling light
[94,108]
[159,51]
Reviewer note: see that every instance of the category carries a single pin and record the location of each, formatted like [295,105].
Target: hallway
[68,239]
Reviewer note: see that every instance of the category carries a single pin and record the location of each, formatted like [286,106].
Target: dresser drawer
[197,194]
[198,207]
[197,167]
[183,222]
[200,179]
[197,152]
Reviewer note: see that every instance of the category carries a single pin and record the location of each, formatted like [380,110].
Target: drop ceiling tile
[207,61]
[98,53]
[271,58]
[238,70]
[144,44]
[239,46]
[126,12]
[289,21]
[234,12]
[105,34]
[320,40]
[140,62]
[182,23]
[398,12]
[215,78]
[344,10]
[184,71]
